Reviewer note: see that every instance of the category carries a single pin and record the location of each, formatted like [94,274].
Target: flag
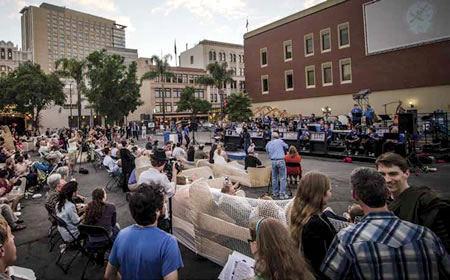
[175,47]
[246,25]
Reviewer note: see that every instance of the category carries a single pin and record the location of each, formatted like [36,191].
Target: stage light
[411,104]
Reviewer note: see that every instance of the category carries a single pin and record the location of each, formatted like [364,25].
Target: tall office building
[51,32]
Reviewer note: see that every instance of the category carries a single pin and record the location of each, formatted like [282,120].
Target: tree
[239,107]
[32,90]
[218,76]
[74,69]
[113,89]
[188,102]
[160,71]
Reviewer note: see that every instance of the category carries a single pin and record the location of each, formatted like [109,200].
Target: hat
[159,155]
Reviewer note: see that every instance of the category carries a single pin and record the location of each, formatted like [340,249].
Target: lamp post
[70,93]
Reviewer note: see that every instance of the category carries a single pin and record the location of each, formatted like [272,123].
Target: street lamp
[70,92]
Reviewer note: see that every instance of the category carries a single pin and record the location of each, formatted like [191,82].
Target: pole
[164,105]
[71,117]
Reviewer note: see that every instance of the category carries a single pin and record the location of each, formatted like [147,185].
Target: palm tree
[74,69]
[218,77]
[160,70]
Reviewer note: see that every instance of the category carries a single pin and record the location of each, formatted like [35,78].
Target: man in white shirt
[110,163]
[179,152]
[114,150]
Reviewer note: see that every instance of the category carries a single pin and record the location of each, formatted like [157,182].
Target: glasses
[250,241]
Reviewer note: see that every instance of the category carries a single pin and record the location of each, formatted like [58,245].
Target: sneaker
[356,153]
[18,227]
[274,195]
[18,214]
[285,196]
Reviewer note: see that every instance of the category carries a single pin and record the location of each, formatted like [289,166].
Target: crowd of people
[390,223]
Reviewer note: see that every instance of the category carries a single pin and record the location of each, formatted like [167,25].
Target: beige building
[206,52]
[129,55]
[51,32]
[11,57]
[152,92]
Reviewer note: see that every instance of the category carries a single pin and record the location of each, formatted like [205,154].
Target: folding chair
[75,243]
[98,161]
[115,181]
[97,243]
[52,230]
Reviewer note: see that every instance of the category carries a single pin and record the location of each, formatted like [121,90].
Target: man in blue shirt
[369,115]
[276,149]
[143,251]
[186,135]
[180,133]
[382,246]
[356,115]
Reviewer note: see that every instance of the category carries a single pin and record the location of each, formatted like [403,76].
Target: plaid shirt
[382,246]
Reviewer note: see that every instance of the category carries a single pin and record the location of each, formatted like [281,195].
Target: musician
[304,137]
[328,133]
[370,143]
[267,134]
[352,141]
[369,114]
[397,145]
[356,115]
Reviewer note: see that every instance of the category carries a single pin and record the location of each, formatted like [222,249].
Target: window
[345,68]
[192,59]
[309,44]
[191,79]
[167,90]
[179,78]
[158,92]
[325,40]
[214,97]
[263,57]
[214,55]
[265,84]
[177,92]
[199,93]
[220,56]
[185,78]
[210,55]
[289,80]
[175,107]
[327,74]
[168,106]
[344,35]
[310,76]
[234,57]
[287,45]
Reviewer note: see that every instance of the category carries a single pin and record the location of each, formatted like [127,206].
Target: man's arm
[172,276]
[112,272]
[336,264]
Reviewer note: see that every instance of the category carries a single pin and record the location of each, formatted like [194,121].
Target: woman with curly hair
[67,211]
[275,254]
[310,228]
[101,213]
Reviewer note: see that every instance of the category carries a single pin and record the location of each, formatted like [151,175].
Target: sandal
[19,227]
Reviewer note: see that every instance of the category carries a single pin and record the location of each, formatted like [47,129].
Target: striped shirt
[382,246]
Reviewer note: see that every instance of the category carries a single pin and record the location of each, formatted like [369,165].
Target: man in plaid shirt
[382,246]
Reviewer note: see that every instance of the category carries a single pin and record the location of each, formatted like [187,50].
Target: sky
[154,25]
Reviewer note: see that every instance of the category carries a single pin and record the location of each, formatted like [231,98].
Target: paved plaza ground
[32,243]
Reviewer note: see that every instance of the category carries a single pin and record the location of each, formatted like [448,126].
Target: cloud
[205,8]
[310,3]
[104,5]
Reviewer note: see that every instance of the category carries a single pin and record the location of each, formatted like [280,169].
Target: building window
[263,57]
[210,55]
[191,79]
[199,93]
[344,35]
[185,78]
[327,74]
[309,44]
[325,40]
[310,75]
[345,67]
[179,78]
[168,107]
[214,55]
[192,59]
[287,46]
[220,56]
[289,80]
[167,90]
[177,92]
[265,84]
[158,92]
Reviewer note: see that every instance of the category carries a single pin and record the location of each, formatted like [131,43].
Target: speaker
[407,122]
[230,147]
[194,126]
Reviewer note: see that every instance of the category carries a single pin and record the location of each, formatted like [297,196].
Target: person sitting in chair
[352,141]
[252,160]
[111,164]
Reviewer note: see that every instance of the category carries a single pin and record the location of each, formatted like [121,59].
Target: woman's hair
[211,153]
[276,256]
[66,193]
[95,208]
[308,202]
[292,151]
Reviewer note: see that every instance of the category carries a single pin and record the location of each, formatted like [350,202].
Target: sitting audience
[419,205]
[231,189]
[191,153]
[220,156]
[9,215]
[251,160]
[381,246]
[293,166]
[310,228]
[67,211]
[200,153]
[110,163]
[274,252]
[55,182]
[179,152]
[132,255]
[5,184]
[8,249]
[101,213]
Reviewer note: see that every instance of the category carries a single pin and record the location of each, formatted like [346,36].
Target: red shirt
[293,170]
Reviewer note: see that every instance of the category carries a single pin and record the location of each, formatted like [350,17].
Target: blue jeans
[279,171]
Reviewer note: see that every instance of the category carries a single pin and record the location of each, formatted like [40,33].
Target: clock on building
[420,17]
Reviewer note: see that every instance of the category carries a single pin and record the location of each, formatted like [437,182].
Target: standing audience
[310,228]
[381,246]
[276,149]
